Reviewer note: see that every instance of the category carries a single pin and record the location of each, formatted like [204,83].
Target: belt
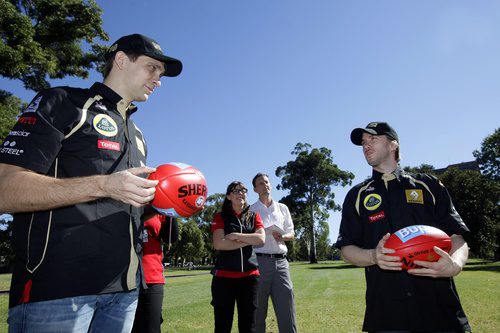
[272,255]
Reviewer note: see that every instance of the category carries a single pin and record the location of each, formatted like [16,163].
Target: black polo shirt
[397,300]
[88,248]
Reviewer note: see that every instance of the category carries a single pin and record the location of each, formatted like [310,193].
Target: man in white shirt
[274,278]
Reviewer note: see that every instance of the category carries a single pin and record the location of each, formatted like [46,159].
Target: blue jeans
[93,313]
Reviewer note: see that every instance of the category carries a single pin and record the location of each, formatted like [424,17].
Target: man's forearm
[459,250]
[358,256]
[26,191]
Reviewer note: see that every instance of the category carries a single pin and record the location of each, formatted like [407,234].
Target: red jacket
[156,228]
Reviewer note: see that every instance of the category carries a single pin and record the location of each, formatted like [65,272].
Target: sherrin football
[181,190]
[416,242]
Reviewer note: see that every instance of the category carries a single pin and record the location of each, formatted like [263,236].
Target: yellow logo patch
[372,201]
[105,125]
[414,196]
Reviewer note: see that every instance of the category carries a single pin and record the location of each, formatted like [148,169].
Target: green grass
[329,298]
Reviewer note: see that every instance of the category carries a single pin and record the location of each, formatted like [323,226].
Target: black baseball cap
[373,128]
[140,44]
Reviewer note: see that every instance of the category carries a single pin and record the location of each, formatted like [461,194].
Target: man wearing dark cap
[422,299]
[73,171]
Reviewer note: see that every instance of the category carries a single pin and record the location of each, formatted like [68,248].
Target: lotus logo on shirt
[372,201]
[105,125]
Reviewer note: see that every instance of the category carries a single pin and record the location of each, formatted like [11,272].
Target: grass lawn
[329,298]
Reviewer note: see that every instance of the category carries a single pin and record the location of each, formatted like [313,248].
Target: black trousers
[148,314]
[228,291]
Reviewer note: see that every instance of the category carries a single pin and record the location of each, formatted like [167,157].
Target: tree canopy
[476,199]
[10,106]
[488,157]
[309,179]
[43,39]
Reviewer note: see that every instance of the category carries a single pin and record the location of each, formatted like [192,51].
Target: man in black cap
[418,300]
[73,171]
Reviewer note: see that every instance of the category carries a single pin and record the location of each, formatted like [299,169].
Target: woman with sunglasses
[235,231]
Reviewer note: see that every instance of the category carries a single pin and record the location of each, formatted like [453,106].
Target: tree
[190,244]
[309,179]
[476,199]
[488,157]
[6,252]
[323,244]
[10,106]
[423,168]
[43,38]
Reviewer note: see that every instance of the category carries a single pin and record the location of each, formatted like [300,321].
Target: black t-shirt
[398,300]
[88,248]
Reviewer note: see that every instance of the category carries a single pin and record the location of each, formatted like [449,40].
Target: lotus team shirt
[396,300]
[88,248]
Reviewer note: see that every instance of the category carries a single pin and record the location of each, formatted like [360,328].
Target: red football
[181,190]
[416,242]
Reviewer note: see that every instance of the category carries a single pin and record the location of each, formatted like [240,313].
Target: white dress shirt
[278,214]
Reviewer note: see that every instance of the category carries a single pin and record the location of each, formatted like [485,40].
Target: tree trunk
[312,251]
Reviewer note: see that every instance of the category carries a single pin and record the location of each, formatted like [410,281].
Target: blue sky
[260,76]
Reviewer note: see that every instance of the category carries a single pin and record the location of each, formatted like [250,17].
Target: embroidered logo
[100,106]
[377,216]
[105,125]
[414,196]
[156,46]
[113,48]
[8,148]
[110,145]
[27,120]
[372,201]
[33,106]
[19,133]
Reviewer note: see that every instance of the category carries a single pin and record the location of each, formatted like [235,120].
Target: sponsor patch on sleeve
[9,147]
[33,105]
[27,120]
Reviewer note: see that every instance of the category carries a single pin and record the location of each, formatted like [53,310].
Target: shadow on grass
[482,262]
[334,267]
[486,267]
[476,265]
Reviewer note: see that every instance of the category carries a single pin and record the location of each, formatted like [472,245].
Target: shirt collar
[398,173]
[110,95]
